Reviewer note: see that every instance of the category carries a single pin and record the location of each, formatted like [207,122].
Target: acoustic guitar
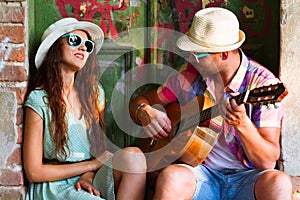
[203,119]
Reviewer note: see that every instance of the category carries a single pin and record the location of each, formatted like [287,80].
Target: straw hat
[62,26]
[213,30]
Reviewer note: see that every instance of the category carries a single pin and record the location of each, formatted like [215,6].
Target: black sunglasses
[75,40]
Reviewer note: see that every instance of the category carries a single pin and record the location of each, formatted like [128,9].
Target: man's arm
[156,123]
[260,144]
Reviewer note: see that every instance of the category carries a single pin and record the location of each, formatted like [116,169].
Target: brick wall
[13,80]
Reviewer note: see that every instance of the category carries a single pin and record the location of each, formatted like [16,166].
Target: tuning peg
[270,106]
[276,105]
[263,107]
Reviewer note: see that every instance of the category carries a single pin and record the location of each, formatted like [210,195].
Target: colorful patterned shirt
[188,83]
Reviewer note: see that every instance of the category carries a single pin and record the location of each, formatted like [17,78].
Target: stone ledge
[296,196]
[9,193]
[296,184]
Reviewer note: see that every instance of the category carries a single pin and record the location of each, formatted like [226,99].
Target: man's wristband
[137,110]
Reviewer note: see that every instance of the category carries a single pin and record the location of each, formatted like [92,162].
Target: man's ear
[224,55]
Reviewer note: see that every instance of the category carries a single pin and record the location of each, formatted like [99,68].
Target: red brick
[15,54]
[13,74]
[20,136]
[15,34]
[12,14]
[20,117]
[10,177]
[15,157]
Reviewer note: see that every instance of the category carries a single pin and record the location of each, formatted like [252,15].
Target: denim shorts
[227,184]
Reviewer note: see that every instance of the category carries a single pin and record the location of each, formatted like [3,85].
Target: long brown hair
[49,78]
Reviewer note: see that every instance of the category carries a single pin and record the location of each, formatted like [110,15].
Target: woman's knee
[178,176]
[176,180]
[130,159]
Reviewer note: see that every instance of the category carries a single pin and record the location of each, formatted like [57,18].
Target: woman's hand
[86,182]
[96,163]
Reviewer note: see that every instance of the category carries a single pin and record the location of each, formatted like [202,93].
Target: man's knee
[273,182]
[276,178]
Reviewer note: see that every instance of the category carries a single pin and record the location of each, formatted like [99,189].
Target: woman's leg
[175,182]
[129,168]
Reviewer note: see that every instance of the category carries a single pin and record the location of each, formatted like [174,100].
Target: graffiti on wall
[255,16]
[249,12]
[258,13]
[177,16]
[100,12]
[117,16]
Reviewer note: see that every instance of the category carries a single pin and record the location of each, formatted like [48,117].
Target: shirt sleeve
[268,115]
[178,86]
[38,101]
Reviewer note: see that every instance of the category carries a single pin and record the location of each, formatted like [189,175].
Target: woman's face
[74,58]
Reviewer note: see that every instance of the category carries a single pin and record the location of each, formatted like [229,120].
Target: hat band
[203,43]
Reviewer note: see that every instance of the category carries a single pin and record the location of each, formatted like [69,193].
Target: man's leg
[273,185]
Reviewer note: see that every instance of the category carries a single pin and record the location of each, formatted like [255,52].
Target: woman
[65,153]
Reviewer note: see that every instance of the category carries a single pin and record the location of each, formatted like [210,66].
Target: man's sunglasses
[75,40]
[200,55]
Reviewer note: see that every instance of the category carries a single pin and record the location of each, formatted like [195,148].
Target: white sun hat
[213,30]
[66,25]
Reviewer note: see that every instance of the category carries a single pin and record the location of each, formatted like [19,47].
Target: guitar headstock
[265,95]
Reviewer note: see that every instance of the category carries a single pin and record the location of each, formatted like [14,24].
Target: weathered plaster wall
[289,74]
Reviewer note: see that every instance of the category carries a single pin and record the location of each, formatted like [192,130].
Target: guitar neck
[196,119]
[258,96]
[209,113]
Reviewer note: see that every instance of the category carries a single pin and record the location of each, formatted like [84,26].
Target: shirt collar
[237,80]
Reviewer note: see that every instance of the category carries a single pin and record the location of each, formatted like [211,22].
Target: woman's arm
[35,170]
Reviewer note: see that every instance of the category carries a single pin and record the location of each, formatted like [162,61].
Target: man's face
[205,63]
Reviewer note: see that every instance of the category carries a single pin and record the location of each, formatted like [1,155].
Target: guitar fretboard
[194,120]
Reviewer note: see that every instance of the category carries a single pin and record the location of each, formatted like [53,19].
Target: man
[241,163]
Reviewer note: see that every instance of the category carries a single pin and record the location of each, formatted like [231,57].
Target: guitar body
[191,147]
[173,111]
[198,146]
[195,127]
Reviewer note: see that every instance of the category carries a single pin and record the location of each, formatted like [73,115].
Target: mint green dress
[80,150]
